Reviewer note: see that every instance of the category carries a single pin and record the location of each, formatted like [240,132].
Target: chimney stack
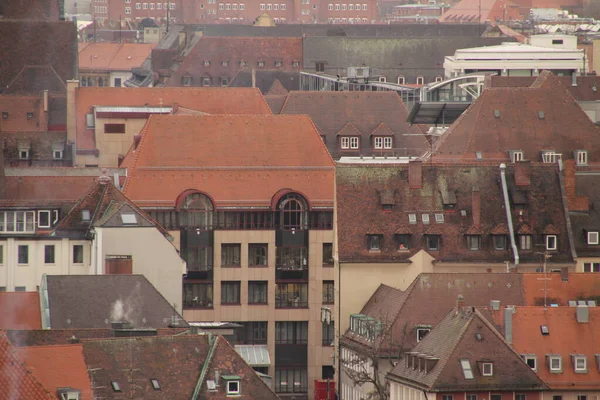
[476,204]
[45,101]
[253,77]
[564,274]
[415,174]
[460,302]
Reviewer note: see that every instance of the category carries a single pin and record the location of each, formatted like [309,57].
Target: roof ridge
[316,130]
[264,101]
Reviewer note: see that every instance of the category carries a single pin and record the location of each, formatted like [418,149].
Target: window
[374,242]
[89,121]
[387,142]
[230,292]
[525,242]
[17,221]
[425,218]
[159,7]
[531,361]
[57,154]
[291,258]
[242,6]
[328,292]
[345,142]
[138,6]
[582,157]
[24,154]
[471,397]
[20,288]
[330,7]
[224,81]
[320,66]
[276,7]
[328,338]
[466,367]
[295,64]
[364,7]
[555,364]
[145,6]
[44,219]
[114,128]
[261,64]
[207,62]
[291,332]
[403,242]
[257,292]
[186,81]
[549,156]
[401,80]
[344,7]
[23,254]
[591,267]
[487,369]
[152,6]
[262,7]
[49,254]
[269,7]
[421,333]
[291,380]
[551,242]
[592,237]
[412,218]
[520,396]
[433,242]
[557,41]
[1,254]
[420,80]
[379,143]
[327,253]
[580,363]
[474,242]
[499,242]
[447,397]
[517,156]
[197,295]
[251,333]
[257,255]
[78,254]
[233,387]
[439,218]
[557,397]
[354,142]
[206,81]
[351,7]
[291,295]
[230,254]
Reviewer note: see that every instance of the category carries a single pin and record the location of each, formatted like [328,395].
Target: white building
[556,53]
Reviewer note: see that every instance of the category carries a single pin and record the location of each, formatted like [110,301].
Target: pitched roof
[44,189]
[271,153]
[113,56]
[560,289]
[541,117]
[269,81]
[482,10]
[439,291]
[277,88]
[103,299]
[583,193]
[189,358]
[464,334]
[58,367]
[32,79]
[446,192]
[16,379]
[275,102]
[527,338]
[208,100]
[365,111]
[20,310]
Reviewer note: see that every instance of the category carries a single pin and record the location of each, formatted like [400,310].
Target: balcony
[292,263]
[291,295]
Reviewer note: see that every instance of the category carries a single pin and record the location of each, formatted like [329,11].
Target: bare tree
[367,364]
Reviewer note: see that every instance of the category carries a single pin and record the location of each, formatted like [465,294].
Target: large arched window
[197,212]
[293,211]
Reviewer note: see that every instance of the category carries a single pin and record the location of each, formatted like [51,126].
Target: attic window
[551,242]
[541,115]
[544,329]
[89,121]
[403,241]
[425,218]
[4,115]
[155,384]
[550,156]
[186,81]
[487,369]
[261,64]
[466,367]
[374,242]
[412,218]
[421,333]
[233,384]
[592,237]
[555,363]
[85,215]
[516,156]
[115,386]
[496,114]
[581,157]
[211,385]
[557,41]
[128,219]
[531,361]
[580,363]
[439,218]
[479,155]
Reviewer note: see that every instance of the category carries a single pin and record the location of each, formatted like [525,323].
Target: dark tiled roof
[584,91]
[32,79]
[266,79]
[464,334]
[358,188]
[45,189]
[365,112]
[20,310]
[102,299]
[31,9]
[36,42]
[541,117]
[275,102]
[16,380]
[271,153]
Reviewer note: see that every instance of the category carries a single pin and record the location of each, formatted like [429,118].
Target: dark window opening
[197,295]
[257,292]
[230,254]
[49,254]
[327,253]
[291,332]
[230,292]
[292,258]
[251,333]
[433,242]
[78,254]
[114,128]
[291,295]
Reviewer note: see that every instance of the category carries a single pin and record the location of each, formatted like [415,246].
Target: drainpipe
[511,231]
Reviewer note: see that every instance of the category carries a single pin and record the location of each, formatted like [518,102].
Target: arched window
[197,212]
[293,211]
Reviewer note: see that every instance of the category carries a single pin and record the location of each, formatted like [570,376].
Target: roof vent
[496,114]
[541,115]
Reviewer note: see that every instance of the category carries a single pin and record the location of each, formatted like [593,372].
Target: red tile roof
[208,100]
[559,291]
[16,380]
[113,56]
[541,117]
[45,189]
[177,153]
[58,367]
[567,337]
[20,310]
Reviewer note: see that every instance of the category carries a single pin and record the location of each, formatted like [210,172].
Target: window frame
[24,261]
[499,242]
[231,288]
[327,255]
[576,359]
[551,360]
[354,143]
[39,218]
[526,240]
[430,244]
[378,142]
[548,239]
[75,254]
[529,357]
[234,392]
[328,294]
[235,258]
[253,256]
[470,242]
[490,371]
[592,233]
[374,242]
[258,289]
[47,255]
[422,333]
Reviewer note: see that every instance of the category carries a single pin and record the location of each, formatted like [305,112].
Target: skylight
[129,219]
[466,367]
[155,384]
[115,385]
[545,330]
[85,215]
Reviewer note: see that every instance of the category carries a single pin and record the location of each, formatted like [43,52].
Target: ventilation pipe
[511,230]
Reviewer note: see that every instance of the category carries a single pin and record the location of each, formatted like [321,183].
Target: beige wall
[123,75]
[13,274]
[596,65]
[318,355]
[592,109]
[111,145]
[583,260]
[152,254]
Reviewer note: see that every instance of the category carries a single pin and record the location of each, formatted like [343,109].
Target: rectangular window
[555,364]
[354,142]
[320,66]
[487,369]
[78,254]
[592,237]
[520,396]
[114,128]
[345,142]
[291,295]
[197,295]
[474,242]
[447,397]
[262,7]
[327,253]
[230,292]
[531,361]
[499,242]
[257,255]
[525,242]
[364,7]
[330,7]
[257,292]
[403,242]
[1,254]
[420,80]
[49,254]
[206,82]
[379,143]
[421,333]
[23,254]
[251,333]
[374,242]
[412,218]
[425,218]
[433,242]
[471,397]
[291,332]
[291,380]
[328,338]
[591,267]
[387,142]
[328,292]
[44,219]
[20,288]
[466,368]
[17,221]
[582,157]
[580,364]
[230,255]
[551,242]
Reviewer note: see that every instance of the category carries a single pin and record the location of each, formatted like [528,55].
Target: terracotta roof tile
[208,100]
[20,310]
[58,367]
[474,230]
[271,152]
[524,229]
[560,291]
[275,102]
[113,56]
[277,89]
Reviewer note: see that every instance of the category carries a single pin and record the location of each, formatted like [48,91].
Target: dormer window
[261,64]
[474,242]
[555,364]
[592,237]
[232,386]
[531,361]
[186,81]
[550,156]
[23,154]
[525,242]
[433,242]
[516,155]
[499,242]
[206,63]
[487,369]
[403,241]
[421,333]
[374,242]
[412,218]
[579,363]
[439,218]
[425,218]
[551,242]
[581,156]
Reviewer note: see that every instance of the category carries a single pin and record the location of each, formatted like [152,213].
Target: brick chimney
[415,174]
[460,302]
[476,205]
